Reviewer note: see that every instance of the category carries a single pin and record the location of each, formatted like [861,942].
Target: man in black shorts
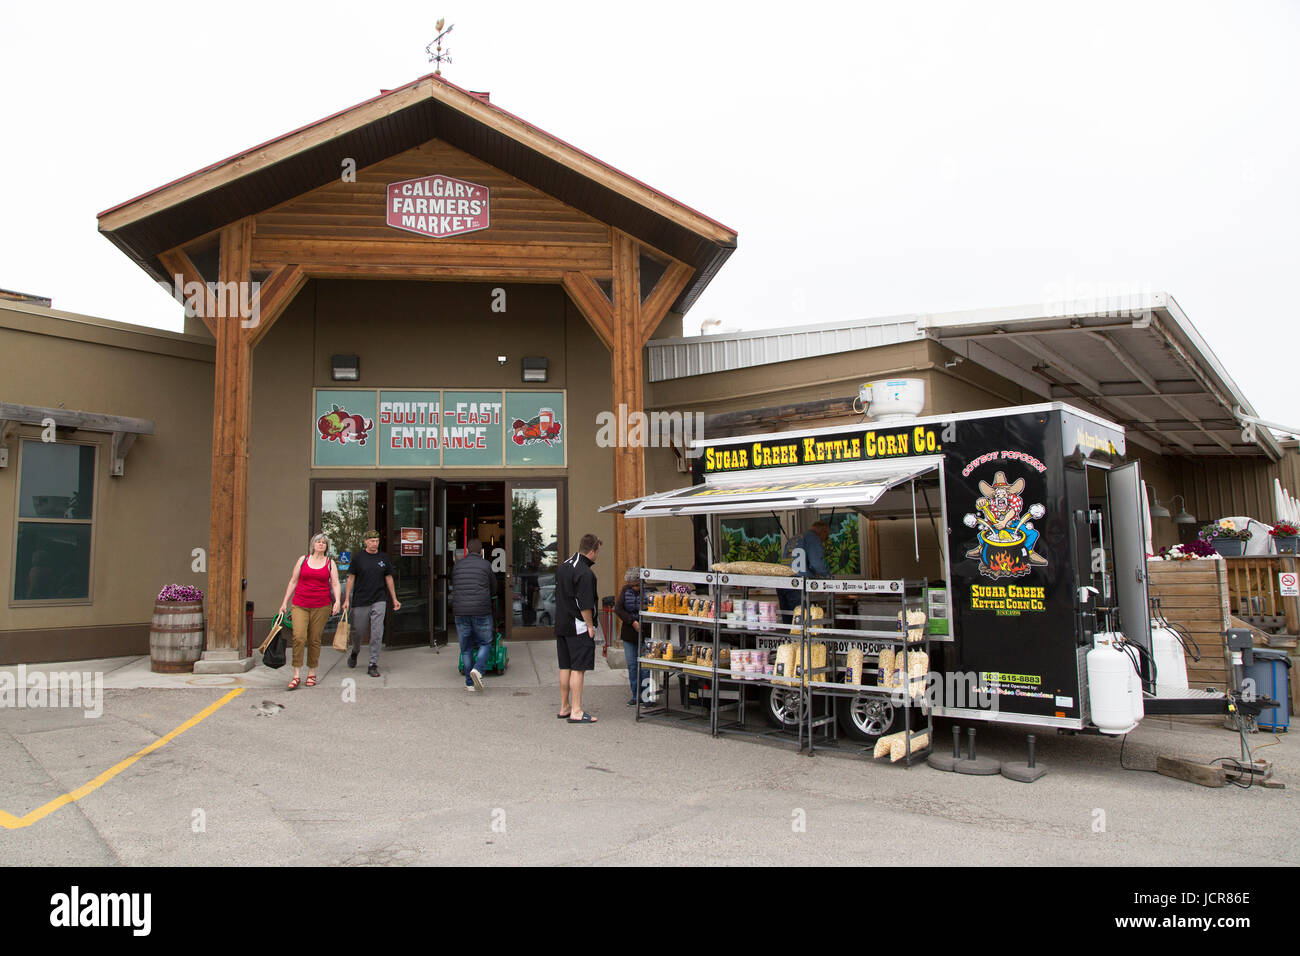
[575,627]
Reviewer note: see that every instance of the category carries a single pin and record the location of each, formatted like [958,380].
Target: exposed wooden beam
[666,291]
[231,427]
[453,257]
[274,297]
[593,305]
[626,378]
[177,263]
[67,418]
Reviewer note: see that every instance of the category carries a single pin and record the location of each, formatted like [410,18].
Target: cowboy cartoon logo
[1007,537]
[337,425]
[543,428]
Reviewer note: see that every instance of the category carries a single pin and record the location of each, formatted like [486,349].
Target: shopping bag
[280,620]
[273,656]
[342,632]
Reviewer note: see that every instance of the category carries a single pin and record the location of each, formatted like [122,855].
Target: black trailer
[1040,526]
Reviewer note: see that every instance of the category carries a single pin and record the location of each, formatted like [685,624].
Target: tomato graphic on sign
[543,428]
[337,425]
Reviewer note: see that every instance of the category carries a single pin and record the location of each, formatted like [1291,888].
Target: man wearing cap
[370,573]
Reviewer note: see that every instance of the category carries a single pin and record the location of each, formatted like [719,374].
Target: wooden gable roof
[269,178]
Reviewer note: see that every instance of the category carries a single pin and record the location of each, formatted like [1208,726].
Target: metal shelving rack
[807,689]
[895,634]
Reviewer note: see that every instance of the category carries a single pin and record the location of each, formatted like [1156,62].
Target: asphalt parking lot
[410,769]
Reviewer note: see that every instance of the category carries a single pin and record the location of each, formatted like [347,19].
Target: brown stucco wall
[147,522]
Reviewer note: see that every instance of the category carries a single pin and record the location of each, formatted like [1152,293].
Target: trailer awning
[813,488]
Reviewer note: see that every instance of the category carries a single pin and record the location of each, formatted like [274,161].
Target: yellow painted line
[11,822]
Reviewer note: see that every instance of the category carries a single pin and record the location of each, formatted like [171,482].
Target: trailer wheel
[867,717]
[781,707]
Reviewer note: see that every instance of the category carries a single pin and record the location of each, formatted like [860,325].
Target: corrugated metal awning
[1138,362]
[737,493]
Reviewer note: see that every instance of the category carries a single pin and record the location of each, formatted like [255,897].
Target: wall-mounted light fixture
[534,368]
[1158,510]
[1183,517]
[502,359]
[345,368]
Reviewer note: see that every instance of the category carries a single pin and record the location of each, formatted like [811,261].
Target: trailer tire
[867,717]
[781,707]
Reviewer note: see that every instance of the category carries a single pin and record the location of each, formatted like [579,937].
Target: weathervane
[434,49]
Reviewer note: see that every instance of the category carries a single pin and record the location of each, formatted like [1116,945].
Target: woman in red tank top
[314,579]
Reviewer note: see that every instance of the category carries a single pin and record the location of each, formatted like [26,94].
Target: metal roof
[1138,361]
[701,355]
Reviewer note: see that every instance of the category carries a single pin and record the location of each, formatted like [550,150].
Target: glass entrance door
[536,545]
[409,545]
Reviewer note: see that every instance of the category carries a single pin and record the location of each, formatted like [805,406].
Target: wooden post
[232,403]
[626,387]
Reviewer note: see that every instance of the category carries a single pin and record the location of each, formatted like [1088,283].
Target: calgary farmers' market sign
[438,428]
[438,206]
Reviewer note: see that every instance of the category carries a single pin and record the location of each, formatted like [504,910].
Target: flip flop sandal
[563,716]
[584,719]
[311,680]
[293,684]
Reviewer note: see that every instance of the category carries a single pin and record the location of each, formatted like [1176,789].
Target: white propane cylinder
[1109,689]
[894,399]
[1171,663]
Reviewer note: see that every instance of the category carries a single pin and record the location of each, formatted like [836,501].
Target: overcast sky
[876,159]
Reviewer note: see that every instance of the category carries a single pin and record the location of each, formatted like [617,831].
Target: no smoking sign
[1290,587]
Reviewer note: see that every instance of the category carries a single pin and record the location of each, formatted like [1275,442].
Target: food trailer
[1040,615]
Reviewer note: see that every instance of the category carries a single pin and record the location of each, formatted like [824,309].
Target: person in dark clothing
[472,586]
[575,627]
[627,607]
[370,573]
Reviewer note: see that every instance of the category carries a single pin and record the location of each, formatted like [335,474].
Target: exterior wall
[146,523]
[416,335]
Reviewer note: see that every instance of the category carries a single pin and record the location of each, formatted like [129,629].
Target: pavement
[410,769]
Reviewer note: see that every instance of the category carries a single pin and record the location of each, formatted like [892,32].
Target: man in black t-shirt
[371,572]
[575,627]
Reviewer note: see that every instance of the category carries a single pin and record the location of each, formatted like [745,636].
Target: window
[56,499]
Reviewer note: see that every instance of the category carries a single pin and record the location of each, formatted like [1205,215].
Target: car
[546,605]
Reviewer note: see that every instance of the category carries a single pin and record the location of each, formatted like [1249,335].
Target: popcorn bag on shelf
[885,666]
[786,657]
[853,668]
[915,624]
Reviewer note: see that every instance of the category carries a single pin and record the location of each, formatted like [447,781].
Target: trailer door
[1128,546]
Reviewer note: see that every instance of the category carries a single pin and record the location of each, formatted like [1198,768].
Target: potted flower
[1196,548]
[1286,536]
[176,634]
[1224,536]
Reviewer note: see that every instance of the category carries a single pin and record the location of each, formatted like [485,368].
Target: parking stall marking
[11,822]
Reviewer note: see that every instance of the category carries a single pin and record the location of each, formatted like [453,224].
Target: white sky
[876,159]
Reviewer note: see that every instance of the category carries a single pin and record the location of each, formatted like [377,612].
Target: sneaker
[352,659]
[373,670]
[477,678]
[470,688]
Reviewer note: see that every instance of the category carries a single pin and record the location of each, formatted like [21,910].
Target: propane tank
[1171,664]
[1110,687]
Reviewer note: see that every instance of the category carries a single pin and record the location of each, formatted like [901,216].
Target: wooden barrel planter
[176,636]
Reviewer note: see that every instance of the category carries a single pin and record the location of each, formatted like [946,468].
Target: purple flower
[180,593]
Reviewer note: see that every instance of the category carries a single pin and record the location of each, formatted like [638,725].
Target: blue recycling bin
[1271,672]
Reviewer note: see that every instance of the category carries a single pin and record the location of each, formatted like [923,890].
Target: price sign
[412,542]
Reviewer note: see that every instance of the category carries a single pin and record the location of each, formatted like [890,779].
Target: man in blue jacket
[472,586]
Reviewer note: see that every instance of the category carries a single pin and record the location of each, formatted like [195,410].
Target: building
[425,315]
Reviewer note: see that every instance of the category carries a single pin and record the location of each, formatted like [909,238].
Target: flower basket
[177,630]
[1286,537]
[1229,547]
[1287,544]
